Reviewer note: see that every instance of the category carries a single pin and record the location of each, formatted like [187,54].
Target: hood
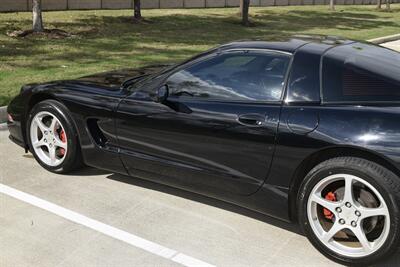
[107,82]
[113,80]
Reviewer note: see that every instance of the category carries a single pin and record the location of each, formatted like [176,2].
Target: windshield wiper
[186,93]
[181,93]
[130,81]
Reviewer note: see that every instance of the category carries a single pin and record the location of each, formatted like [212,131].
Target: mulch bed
[49,33]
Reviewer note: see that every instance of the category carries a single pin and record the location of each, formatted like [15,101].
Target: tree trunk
[332,5]
[137,10]
[245,12]
[241,8]
[37,16]
[379,4]
[387,4]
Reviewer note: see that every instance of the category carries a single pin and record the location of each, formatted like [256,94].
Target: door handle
[253,120]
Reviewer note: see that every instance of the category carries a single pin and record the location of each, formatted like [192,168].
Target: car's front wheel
[349,210]
[52,137]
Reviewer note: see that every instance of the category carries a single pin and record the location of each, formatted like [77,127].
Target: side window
[239,76]
[361,72]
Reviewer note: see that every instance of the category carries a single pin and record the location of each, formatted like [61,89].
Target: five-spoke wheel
[52,137]
[348,208]
[48,138]
[346,228]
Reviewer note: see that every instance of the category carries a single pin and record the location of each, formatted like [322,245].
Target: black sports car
[305,129]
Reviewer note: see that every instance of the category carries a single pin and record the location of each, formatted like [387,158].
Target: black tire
[385,181]
[73,158]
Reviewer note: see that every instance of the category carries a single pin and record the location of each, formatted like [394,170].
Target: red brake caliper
[327,213]
[63,139]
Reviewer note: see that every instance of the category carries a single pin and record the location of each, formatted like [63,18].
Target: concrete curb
[385,39]
[3,114]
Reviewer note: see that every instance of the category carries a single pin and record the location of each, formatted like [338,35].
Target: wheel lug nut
[348,204]
[358,214]
[45,132]
[353,223]
[341,221]
[45,140]
[338,209]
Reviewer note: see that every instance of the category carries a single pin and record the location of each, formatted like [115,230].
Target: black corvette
[306,129]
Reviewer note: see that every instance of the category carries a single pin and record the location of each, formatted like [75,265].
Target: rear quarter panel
[373,129]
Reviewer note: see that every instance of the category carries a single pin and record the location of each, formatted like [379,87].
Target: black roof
[290,44]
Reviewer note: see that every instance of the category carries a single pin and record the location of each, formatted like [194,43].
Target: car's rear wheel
[52,137]
[349,210]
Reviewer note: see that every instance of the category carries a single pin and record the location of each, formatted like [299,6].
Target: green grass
[106,40]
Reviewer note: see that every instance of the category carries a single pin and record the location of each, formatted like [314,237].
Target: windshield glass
[138,82]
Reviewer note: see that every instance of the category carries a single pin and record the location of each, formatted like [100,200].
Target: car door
[217,128]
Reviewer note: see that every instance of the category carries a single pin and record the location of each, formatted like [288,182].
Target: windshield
[138,82]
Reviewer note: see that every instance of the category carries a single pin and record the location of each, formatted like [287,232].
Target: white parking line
[108,230]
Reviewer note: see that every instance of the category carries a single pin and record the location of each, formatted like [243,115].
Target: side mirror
[162,94]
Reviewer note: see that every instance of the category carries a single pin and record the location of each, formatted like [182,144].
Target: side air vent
[96,133]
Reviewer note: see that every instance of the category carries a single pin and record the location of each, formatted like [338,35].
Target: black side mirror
[162,94]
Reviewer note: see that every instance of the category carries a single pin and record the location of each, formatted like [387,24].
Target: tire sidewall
[59,111]
[316,175]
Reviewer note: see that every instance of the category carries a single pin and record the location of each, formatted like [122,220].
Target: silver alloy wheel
[45,132]
[348,215]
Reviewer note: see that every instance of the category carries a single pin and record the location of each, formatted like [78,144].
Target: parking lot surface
[199,230]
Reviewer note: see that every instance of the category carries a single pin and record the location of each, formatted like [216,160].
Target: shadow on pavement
[88,171]
[205,200]
[292,227]
[393,261]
